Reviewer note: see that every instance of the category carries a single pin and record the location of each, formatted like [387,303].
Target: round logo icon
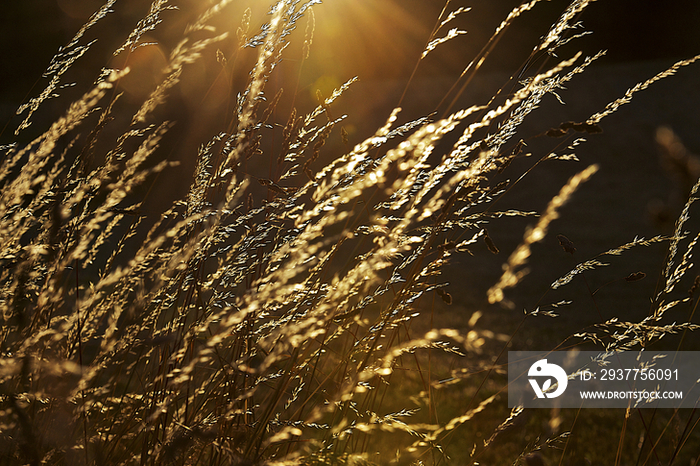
[542,368]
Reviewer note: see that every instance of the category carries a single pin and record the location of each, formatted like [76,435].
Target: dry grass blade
[285,305]
[627,98]
[513,271]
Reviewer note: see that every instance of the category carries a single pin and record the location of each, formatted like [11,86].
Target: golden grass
[276,312]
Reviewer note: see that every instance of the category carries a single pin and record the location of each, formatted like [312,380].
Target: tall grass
[278,312]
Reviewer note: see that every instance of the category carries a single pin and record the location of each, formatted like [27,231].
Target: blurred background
[375,39]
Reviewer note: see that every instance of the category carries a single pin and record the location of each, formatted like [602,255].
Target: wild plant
[276,313]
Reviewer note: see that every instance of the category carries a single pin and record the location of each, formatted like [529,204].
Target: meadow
[207,259]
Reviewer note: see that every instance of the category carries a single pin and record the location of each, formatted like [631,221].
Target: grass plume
[279,312]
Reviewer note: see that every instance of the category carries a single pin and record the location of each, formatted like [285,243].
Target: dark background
[31,32]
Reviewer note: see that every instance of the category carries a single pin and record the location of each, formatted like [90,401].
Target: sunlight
[367,38]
